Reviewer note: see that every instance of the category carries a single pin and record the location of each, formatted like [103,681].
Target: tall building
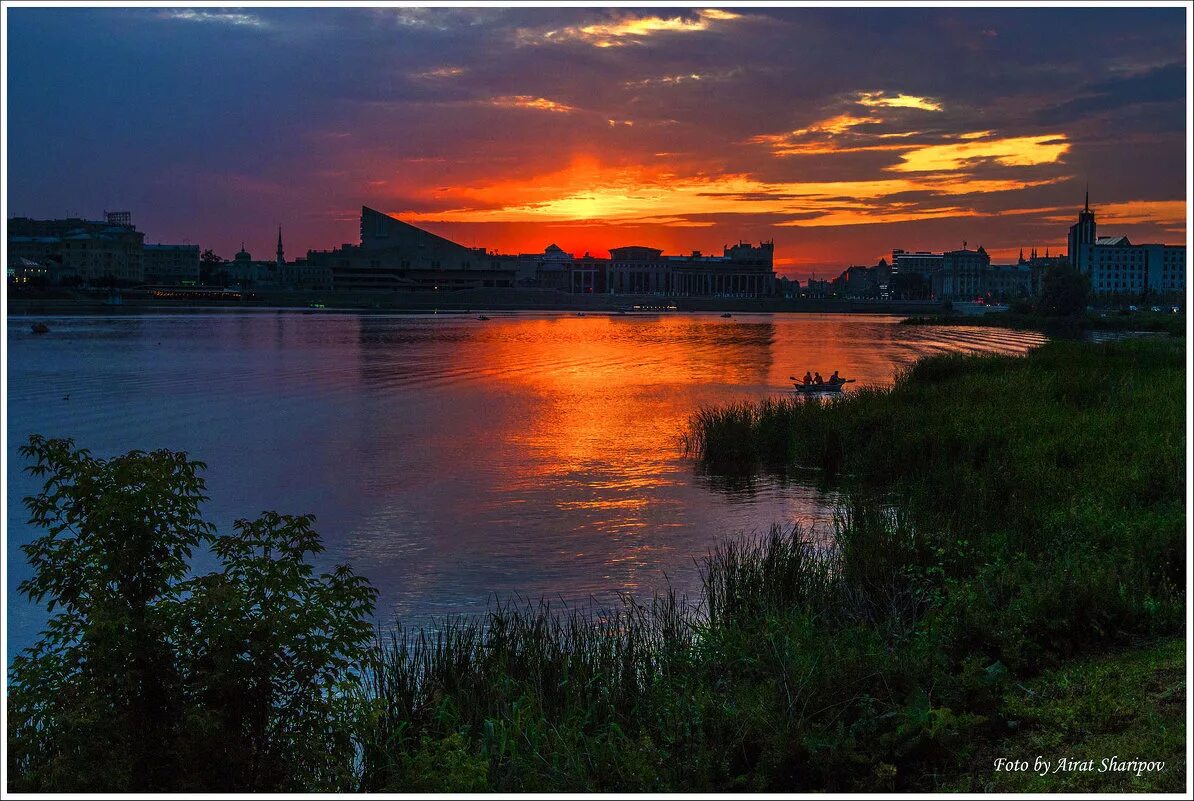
[1115,266]
[1082,234]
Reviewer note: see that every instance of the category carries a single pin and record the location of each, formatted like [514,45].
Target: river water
[448,459]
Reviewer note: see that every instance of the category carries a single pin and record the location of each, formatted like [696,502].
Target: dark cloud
[1161,85]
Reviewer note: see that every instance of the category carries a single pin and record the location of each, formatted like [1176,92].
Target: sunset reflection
[453,460]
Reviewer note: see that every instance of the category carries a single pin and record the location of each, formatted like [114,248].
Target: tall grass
[728,691]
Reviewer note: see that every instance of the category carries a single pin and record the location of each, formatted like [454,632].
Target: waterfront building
[171,265]
[921,262]
[817,288]
[548,269]
[300,275]
[963,274]
[90,251]
[788,287]
[1116,266]
[743,270]
[22,270]
[247,272]
[394,255]
[860,281]
[588,275]
[966,275]
[1009,281]
[39,256]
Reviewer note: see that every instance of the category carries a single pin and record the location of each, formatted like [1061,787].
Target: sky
[838,133]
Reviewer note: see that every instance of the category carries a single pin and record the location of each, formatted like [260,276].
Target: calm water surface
[448,459]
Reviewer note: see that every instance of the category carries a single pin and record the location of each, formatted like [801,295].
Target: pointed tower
[281,258]
[1021,261]
[1083,236]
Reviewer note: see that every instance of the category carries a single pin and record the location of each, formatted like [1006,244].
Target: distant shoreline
[467,301]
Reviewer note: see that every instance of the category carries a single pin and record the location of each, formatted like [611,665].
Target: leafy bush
[150,679]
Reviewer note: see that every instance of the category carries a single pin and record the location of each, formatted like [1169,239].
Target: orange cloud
[881,99]
[1017,151]
[1161,212]
[528,101]
[589,191]
[631,28]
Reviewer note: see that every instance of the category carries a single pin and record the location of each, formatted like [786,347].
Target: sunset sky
[840,133]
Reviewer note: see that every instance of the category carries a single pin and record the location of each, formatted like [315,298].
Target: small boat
[482,317]
[40,328]
[828,388]
[727,315]
[818,389]
[580,314]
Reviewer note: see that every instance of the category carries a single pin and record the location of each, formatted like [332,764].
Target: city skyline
[684,129]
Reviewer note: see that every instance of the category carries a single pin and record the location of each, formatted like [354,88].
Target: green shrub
[147,678]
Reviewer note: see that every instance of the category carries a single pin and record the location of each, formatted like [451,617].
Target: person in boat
[836,379]
[808,378]
[817,379]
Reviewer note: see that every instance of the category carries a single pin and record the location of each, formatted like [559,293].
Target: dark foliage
[149,679]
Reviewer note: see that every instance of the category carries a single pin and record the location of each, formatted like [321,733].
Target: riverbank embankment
[471,300]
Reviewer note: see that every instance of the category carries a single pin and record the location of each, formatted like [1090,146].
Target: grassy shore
[1043,497]
[1172,324]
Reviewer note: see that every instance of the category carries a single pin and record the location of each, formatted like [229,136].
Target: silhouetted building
[743,270]
[1008,282]
[548,269]
[1082,235]
[247,272]
[963,274]
[90,251]
[818,288]
[394,255]
[922,263]
[171,265]
[788,287]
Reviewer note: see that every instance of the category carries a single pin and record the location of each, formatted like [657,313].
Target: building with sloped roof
[394,255]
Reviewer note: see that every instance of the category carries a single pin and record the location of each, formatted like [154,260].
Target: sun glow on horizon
[589,191]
